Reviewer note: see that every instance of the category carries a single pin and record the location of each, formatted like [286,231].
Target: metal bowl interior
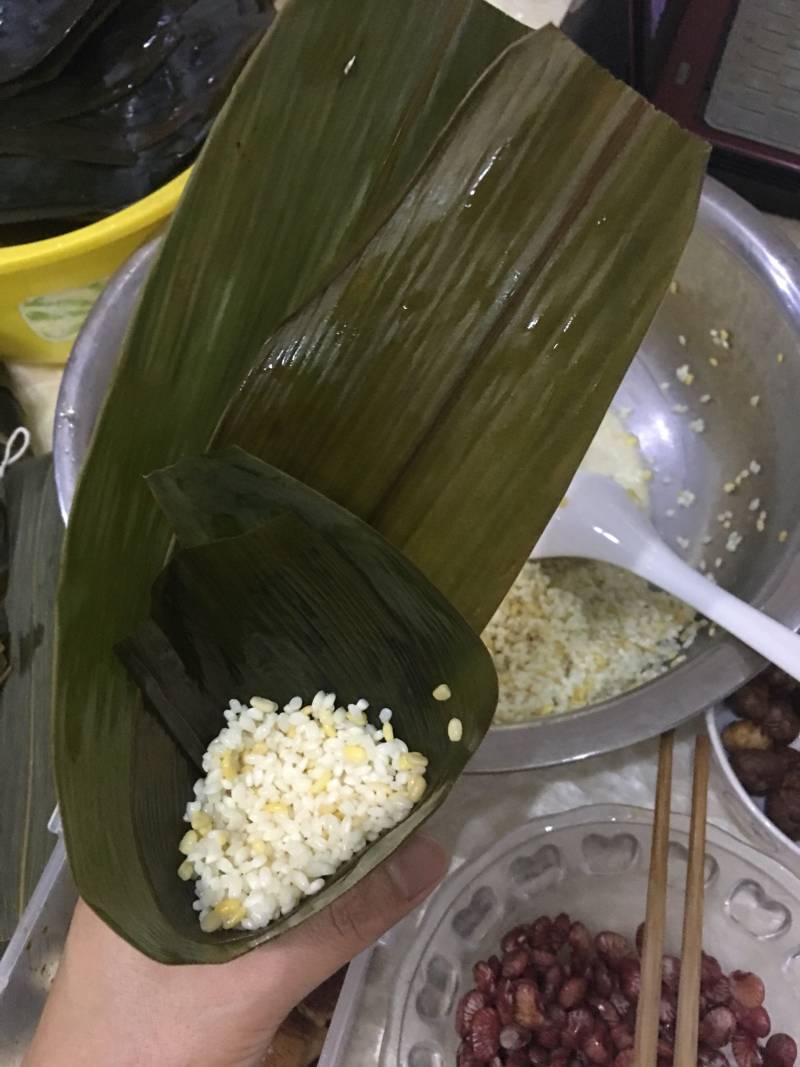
[736,274]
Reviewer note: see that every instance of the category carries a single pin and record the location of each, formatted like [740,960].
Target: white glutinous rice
[572,632]
[288,796]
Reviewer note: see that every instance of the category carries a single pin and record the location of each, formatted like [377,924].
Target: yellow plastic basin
[47,287]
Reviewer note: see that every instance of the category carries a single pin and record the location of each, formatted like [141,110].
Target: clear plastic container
[593,864]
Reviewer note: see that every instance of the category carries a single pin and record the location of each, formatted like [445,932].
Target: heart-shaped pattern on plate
[609,855]
[750,907]
[474,920]
[425,1056]
[531,874]
[792,971]
[436,997]
[678,861]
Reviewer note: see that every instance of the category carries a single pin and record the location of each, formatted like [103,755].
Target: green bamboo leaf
[27,789]
[542,231]
[311,153]
[310,598]
[446,385]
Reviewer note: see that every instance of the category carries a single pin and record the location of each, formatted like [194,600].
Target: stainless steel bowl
[736,274]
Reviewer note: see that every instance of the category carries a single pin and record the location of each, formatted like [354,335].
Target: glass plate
[591,863]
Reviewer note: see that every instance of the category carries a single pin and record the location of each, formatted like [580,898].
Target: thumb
[305,957]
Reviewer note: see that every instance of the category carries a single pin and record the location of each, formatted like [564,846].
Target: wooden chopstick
[649,1006]
[687,1022]
[648,1011]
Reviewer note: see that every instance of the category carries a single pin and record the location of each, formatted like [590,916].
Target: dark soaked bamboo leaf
[446,385]
[26,41]
[309,598]
[27,789]
[69,190]
[138,96]
[134,41]
[327,125]
[57,58]
[158,117]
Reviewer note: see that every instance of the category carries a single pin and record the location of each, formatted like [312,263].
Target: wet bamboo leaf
[309,598]
[442,386]
[294,179]
[446,385]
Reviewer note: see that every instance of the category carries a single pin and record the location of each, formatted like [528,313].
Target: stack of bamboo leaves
[103,101]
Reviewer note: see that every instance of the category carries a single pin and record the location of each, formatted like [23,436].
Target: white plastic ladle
[598,520]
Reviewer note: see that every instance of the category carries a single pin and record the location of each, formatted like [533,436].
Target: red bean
[622,1037]
[717,1027]
[541,932]
[754,1021]
[665,1050]
[579,1026]
[747,989]
[605,1009]
[549,1037]
[561,925]
[630,978]
[781,1051]
[504,1001]
[667,1009]
[719,992]
[595,1051]
[553,980]
[573,993]
[515,963]
[603,1031]
[485,1034]
[579,938]
[517,1058]
[710,971]
[621,1003]
[612,947]
[515,938]
[528,1004]
[710,1057]
[745,1051]
[639,940]
[465,1056]
[602,981]
[625,1058]
[538,1056]
[469,1004]
[514,1037]
[484,977]
[541,959]
[671,972]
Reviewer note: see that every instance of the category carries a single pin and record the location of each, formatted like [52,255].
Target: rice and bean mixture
[288,796]
[572,632]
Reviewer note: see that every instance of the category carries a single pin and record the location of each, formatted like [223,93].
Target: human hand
[112,1007]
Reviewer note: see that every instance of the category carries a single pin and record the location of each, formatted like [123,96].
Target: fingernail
[417,865]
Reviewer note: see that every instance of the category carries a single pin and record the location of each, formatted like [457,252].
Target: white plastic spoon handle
[775,642]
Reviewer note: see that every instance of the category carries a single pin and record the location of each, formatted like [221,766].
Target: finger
[305,957]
